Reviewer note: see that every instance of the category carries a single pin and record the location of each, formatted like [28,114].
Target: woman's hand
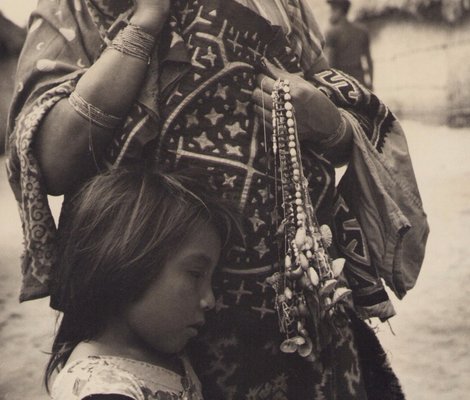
[151,15]
[316,116]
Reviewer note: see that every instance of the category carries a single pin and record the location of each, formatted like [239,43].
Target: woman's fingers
[262,99]
[265,83]
[265,116]
[275,72]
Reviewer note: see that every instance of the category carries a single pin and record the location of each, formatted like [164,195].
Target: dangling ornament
[308,275]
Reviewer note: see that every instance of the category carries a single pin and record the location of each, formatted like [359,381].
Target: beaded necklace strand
[307,297]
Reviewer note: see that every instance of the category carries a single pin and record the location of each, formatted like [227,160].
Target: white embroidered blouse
[106,375]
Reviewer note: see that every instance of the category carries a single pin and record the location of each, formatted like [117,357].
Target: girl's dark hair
[121,229]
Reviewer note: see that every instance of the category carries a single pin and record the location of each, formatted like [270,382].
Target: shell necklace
[308,301]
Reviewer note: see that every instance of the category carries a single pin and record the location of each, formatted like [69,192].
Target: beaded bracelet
[307,296]
[93,113]
[135,42]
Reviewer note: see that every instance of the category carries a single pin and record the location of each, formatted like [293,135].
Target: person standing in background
[347,44]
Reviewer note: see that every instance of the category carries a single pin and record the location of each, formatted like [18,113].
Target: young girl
[137,258]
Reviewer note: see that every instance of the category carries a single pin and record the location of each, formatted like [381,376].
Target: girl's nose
[208,300]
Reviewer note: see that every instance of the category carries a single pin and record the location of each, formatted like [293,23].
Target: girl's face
[171,310]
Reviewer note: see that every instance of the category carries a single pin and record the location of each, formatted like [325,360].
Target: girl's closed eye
[199,266]
[198,274]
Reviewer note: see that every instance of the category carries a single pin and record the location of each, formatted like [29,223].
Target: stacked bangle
[93,113]
[135,42]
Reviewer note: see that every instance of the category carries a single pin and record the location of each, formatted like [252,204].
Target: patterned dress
[195,111]
[106,375]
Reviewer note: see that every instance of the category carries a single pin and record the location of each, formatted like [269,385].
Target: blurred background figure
[347,44]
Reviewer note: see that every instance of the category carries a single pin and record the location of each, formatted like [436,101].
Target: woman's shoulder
[95,376]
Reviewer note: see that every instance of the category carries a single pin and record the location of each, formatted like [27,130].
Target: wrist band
[135,42]
[92,113]
[336,137]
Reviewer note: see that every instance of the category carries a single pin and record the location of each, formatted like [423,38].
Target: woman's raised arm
[111,85]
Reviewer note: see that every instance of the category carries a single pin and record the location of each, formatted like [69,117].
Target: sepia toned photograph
[234,199]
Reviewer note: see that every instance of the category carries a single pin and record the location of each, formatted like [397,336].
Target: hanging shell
[328,286]
[295,274]
[303,261]
[340,294]
[315,246]
[299,340]
[304,332]
[294,311]
[313,276]
[308,243]
[288,293]
[288,346]
[300,236]
[306,283]
[274,280]
[305,349]
[287,262]
[337,266]
[327,235]
[281,298]
[303,310]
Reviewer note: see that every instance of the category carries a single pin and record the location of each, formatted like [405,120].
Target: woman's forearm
[340,153]
[62,144]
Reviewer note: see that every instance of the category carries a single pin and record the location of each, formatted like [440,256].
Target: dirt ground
[430,350]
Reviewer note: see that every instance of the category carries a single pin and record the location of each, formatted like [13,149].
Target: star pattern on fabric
[210,56]
[261,248]
[235,129]
[280,383]
[241,108]
[214,116]
[264,195]
[233,150]
[234,42]
[204,141]
[256,221]
[185,12]
[229,180]
[192,119]
[263,310]
[219,304]
[264,285]
[221,91]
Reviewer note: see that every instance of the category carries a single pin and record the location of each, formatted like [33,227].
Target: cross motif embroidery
[241,291]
